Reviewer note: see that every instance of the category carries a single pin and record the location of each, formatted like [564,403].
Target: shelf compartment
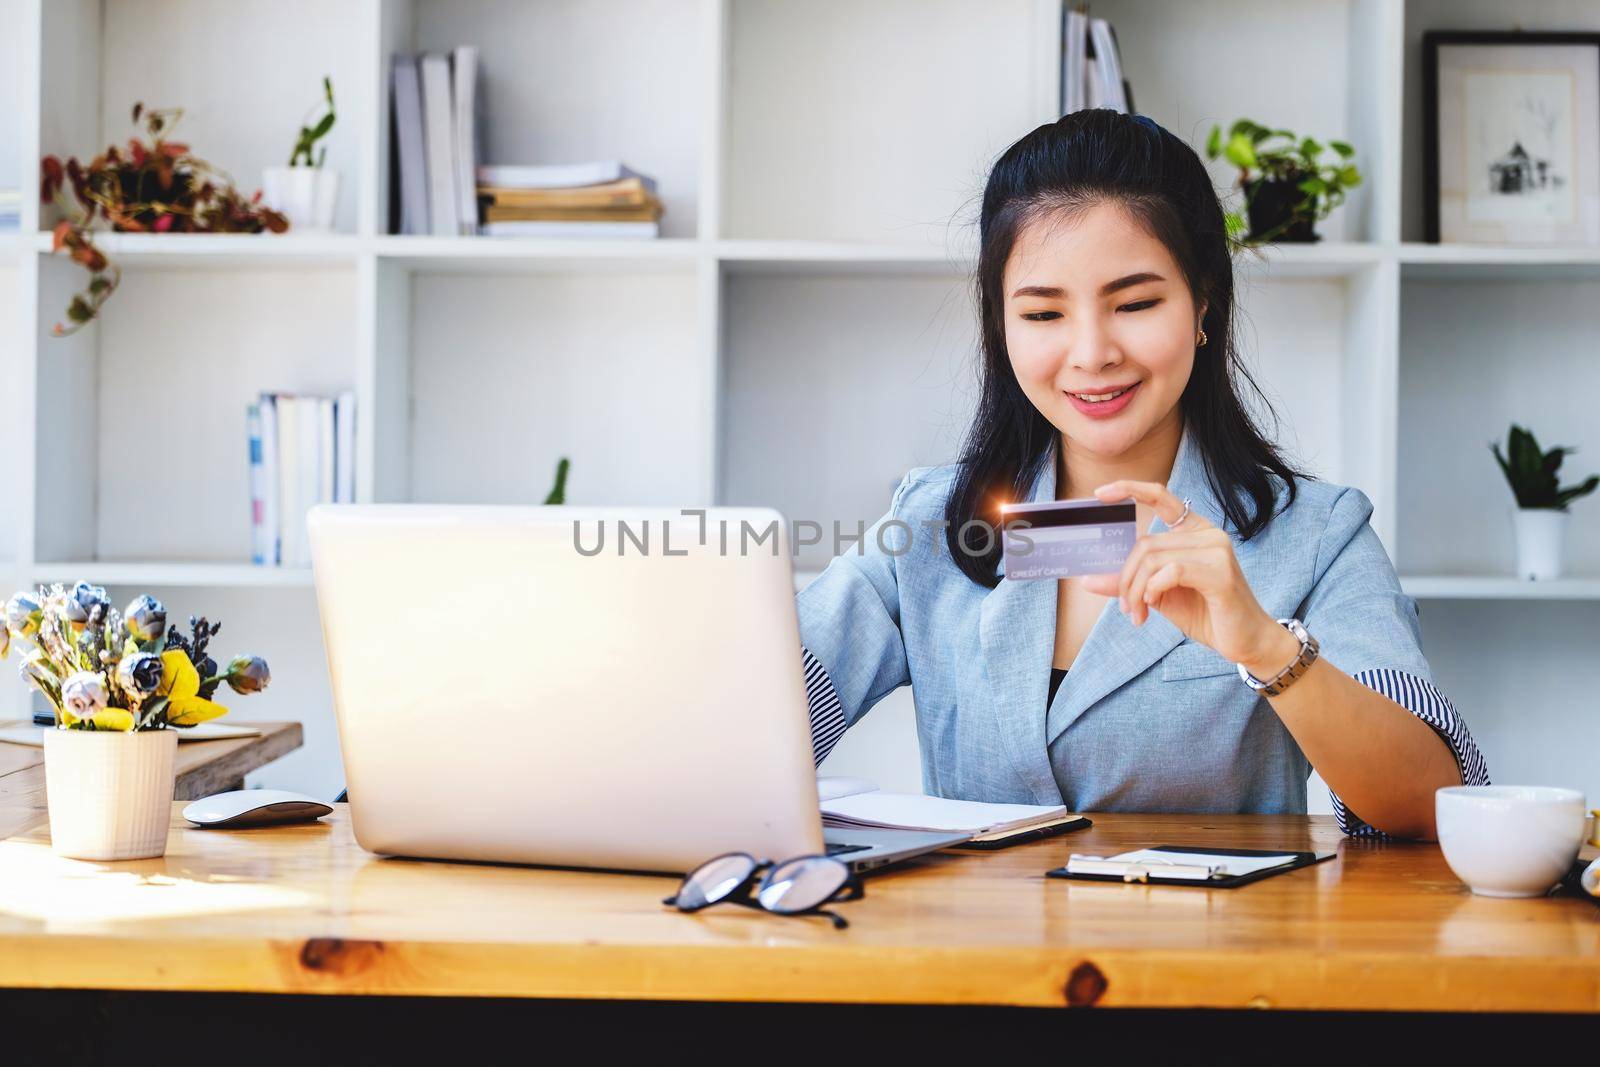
[243,103]
[505,373]
[568,81]
[141,447]
[1474,358]
[822,423]
[1420,16]
[1169,54]
[818,96]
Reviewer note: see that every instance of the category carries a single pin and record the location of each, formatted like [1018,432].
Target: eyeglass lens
[714,879]
[802,883]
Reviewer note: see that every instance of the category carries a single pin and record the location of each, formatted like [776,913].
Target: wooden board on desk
[302,908]
[201,768]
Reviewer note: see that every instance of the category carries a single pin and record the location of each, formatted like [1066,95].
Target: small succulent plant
[1531,472]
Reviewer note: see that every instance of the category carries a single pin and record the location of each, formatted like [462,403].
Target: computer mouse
[242,808]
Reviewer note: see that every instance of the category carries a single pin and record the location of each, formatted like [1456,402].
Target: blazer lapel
[1116,651]
[1017,630]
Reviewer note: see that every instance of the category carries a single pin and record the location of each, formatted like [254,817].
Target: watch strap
[1296,668]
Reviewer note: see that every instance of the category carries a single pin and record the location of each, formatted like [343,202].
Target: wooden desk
[202,767]
[303,909]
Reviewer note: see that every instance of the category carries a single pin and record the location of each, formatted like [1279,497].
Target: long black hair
[1082,159]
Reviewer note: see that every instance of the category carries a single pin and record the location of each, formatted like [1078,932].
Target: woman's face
[1100,327]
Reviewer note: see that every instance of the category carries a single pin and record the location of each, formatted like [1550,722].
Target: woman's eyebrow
[1053,292]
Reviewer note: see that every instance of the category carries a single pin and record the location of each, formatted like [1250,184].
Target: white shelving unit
[802,333]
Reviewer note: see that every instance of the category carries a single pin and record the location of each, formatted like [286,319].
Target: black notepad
[1188,865]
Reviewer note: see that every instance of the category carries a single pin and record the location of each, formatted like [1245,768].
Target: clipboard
[1166,865]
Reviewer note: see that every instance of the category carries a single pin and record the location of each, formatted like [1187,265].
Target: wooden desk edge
[303,956]
[1008,976]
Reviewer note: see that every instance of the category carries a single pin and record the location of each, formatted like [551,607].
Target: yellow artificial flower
[104,719]
[180,684]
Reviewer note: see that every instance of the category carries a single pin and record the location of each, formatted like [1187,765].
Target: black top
[1056,675]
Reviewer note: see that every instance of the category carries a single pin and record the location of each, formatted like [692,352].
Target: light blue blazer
[1146,720]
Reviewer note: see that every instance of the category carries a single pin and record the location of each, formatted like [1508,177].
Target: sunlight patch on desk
[67,895]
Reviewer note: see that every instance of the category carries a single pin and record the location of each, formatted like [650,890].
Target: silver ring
[1185,515]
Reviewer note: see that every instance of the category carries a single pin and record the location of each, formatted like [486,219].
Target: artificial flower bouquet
[105,670]
[119,683]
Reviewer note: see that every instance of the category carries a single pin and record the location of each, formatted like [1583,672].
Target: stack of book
[435,143]
[1091,65]
[302,452]
[604,199]
[10,210]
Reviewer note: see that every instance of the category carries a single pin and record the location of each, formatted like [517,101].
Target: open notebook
[857,804]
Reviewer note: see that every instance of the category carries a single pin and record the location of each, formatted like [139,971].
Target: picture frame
[1511,137]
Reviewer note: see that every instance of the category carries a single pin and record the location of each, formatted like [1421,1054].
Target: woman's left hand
[1191,576]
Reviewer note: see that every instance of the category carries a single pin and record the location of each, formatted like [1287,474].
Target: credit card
[1066,538]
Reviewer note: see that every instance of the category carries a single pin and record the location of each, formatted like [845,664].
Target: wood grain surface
[304,909]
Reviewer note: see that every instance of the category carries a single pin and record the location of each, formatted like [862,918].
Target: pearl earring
[1202,341]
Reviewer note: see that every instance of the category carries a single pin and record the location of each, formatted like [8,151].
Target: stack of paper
[858,804]
[601,199]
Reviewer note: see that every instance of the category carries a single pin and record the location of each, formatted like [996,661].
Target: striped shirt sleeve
[1421,699]
[827,714]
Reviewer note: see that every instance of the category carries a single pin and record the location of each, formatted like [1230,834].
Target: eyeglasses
[798,886]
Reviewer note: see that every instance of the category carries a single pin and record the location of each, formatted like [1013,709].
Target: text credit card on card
[1066,538]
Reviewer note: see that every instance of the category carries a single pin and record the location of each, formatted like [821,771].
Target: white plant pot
[109,792]
[306,196]
[1541,542]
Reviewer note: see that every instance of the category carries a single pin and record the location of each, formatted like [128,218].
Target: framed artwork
[1511,137]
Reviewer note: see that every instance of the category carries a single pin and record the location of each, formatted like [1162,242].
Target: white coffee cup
[1509,840]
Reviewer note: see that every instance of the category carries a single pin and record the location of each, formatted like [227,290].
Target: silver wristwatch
[1286,677]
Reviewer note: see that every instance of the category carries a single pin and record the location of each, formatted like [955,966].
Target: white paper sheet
[1230,865]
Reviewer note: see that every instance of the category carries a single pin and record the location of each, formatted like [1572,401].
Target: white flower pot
[1541,542]
[109,792]
[306,196]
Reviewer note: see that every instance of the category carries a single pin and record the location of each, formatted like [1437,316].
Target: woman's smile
[1104,403]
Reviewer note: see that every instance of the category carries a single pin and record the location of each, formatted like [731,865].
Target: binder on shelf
[410,153]
[439,140]
[344,421]
[1091,64]
[258,489]
[302,453]
[464,75]
[271,540]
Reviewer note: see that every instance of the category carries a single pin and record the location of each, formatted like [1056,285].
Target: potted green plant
[306,191]
[1540,517]
[1287,187]
[120,685]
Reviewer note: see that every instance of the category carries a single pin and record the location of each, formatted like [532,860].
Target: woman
[1106,296]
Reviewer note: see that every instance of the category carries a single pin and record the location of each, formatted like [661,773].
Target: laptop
[601,687]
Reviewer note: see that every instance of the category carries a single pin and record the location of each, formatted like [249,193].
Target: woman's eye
[1139,305]
[1042,316]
